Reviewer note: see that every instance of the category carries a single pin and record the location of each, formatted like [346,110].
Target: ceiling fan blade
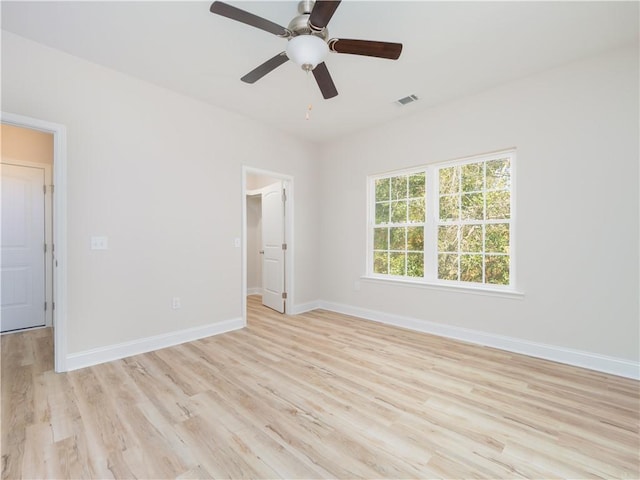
[323,78]
[367,48]
[268,66]
[239,15]
[322,12]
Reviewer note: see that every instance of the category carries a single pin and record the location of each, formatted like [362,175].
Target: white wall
[26,145]
[256,182]
[576,132]
[161,175]
[254,243]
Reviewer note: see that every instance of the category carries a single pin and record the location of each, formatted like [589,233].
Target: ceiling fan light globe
[305,50]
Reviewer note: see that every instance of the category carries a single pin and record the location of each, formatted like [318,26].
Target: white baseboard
[254,291]
[304,307]
[579,358]
[126,349]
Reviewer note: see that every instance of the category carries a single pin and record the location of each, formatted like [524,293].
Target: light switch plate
[99,243]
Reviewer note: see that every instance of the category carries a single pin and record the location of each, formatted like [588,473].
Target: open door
[23,242]
[273,247]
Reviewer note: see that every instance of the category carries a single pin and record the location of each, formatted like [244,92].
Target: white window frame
[430,278]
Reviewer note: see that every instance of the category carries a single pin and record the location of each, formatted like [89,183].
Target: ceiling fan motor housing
[300,24]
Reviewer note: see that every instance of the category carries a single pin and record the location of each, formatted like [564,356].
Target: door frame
[59,222]
[288,235]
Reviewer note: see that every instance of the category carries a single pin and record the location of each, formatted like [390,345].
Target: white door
[23,257]
[273,246]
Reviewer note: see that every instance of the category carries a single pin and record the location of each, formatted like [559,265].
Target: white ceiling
[451,49]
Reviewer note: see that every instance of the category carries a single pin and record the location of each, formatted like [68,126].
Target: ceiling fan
[307,41]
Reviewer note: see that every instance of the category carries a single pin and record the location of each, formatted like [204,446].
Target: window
[448,223]
[398,233]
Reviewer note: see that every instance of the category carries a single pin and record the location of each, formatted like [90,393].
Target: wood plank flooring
[319,395]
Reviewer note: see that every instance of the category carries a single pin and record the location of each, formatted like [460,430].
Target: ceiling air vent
[406,100]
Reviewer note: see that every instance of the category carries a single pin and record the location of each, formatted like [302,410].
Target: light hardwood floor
[318,395]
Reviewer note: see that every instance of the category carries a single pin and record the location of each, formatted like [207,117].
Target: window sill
[484,291]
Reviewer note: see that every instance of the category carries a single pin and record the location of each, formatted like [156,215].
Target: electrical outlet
[175,303]
[99,243]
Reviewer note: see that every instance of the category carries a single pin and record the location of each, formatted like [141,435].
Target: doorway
[267,238]
[55,230]
[27,241]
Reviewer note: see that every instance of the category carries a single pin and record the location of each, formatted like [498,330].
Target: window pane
[382,213]
[473,177]
[415,264]
[399,200]
[448,238]
[471,238]
[416,211]
[397,238]
[381,262]
[498,205]
[449,180]
[473,206]
[498,174]
[448,266]
[497,269]
[381,239]
[417,185]
[399,212]
[471,268]
[398,187]
[449,207]
[382,189]
[415,239]
[497,238]
[397,263]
